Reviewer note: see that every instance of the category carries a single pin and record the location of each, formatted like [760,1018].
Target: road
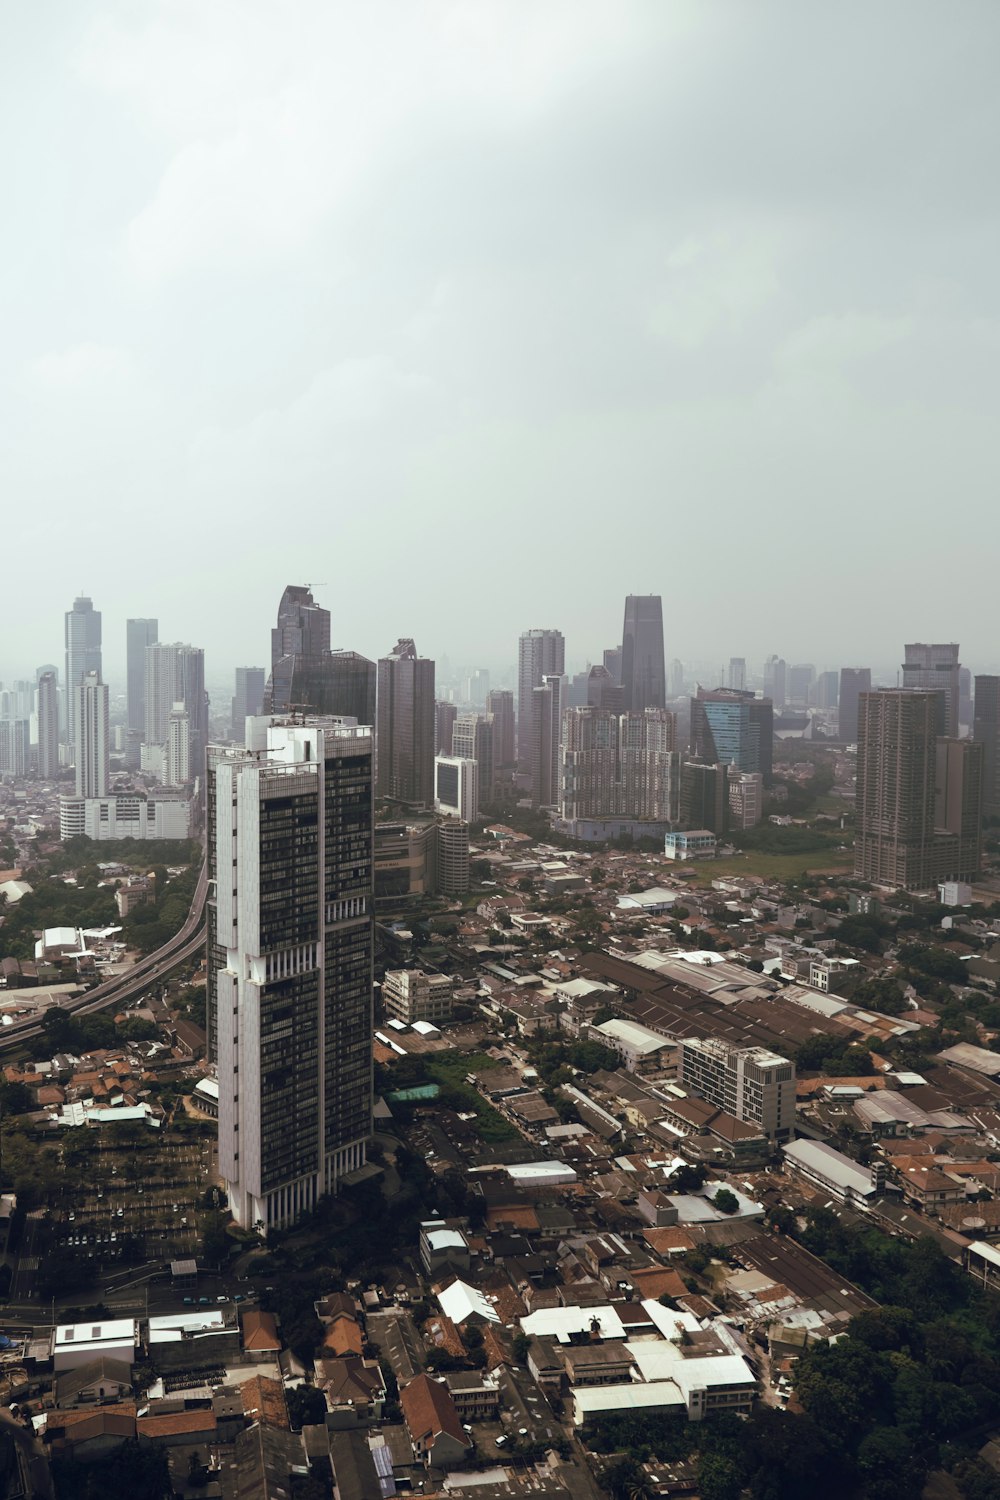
[148,971]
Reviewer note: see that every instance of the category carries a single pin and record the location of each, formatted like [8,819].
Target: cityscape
[446,1078]
[499,751]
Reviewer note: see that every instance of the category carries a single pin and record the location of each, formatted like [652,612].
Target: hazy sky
[478,316]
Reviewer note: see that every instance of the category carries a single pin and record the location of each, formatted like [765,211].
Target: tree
[726,1202]
[306,1407]
[890,1465]
[521,1345]
[718,1478]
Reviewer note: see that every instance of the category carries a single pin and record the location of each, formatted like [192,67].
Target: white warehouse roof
[461,1301]
[633,1036]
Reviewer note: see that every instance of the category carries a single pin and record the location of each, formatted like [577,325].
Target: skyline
[217,671]
[547,290]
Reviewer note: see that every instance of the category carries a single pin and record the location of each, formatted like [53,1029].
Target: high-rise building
[799,680]
[248,699]
[733,728]
[500,704]
[827,690]
[746,798]
[612,660]
[643,677]
[958,809]
[177,749]
[406,725]
[290,962]
[546,727]
[477,687]
[92,748]
[619,766]
[15,746]
[456,787]
[576,689]
[604,692]
[919,795]
[138,635]
[776,681]
[306,676]
[737,673]
[964,698]
[853,682]
[676,685]
[704,797]
[450,855]
[935,668]
[986,732]
[752,1083]
[541,653]
[48,725]
[445,715]
[83,653]
[175,673]
[472,739]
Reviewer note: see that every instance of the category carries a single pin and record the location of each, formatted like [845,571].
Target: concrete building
[918,796]
[691,843]
[620,766]
[439,1439]
[704,797]
[456,787]
[540,654]
[139,636]
[737,673]
[829,1170]
[406,726]
[733,728]
[410,995]
[752,1083]
[986,732]
[91,744]
[853,682]
[500,705]
[129,815]
[48,725]
[290,962]
[643,678]
[472,738]
[15,746]
[546,734]
[83,653]
[175,673]
[177,750]
[935,669]
[445,715]
[746,798]
[248,699]
[775,680]
[451,876]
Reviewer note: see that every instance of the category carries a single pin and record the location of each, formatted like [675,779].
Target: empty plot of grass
[778,866]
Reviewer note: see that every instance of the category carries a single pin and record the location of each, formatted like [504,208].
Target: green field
[777,866]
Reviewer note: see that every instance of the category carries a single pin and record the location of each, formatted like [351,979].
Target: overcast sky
[478,316]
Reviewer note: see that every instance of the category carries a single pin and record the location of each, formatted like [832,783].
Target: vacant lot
[777,866]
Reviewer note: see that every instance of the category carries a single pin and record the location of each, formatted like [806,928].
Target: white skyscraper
[290,934]
[90,721]
[48,725]
[456,787]
[177,760]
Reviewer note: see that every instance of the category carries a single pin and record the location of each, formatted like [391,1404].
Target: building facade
[752,1083]
[853,682]
[139,635]
[83,653]
[936,669]
[643,678]
[48,725]
[546,735]
[619,765]
[472,738]
[290,962]
[456,787]
[733,728]
[540,654]
[248,700]
[986,732]
[90,725]
[500,704]
[406,726]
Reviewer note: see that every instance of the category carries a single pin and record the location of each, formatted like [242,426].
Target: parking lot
[135,1202]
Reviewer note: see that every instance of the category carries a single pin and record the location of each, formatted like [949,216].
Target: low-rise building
[432,1420]
[410,995]
[695,843]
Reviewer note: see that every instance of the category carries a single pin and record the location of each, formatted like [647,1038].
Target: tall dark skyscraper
[248,698]
[853,682]
[500,704]
[986,732]
[642,675]
[405,740]
[290,962]
[305,673]
[83,653]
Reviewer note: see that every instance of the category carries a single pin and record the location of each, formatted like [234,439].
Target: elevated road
[149,970]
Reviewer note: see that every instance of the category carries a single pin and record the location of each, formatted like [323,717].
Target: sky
[478,316]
